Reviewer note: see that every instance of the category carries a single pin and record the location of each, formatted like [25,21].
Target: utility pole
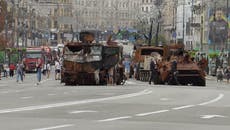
[150,33]
[183,20]
[227,44]
[214,39]
[158,28]
[201,27]
[191,28]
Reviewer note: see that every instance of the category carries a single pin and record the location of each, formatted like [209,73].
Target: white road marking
[26,97]
[211,116]
[116,118]
[151,113]
[183,107]
[70,103]
[55,127]
[85,111]
[212,101]
[65,93]
[130,82]
[164,99]
[51,94]
[4,92]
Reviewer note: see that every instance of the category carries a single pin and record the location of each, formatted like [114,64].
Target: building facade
[105,15]
[162,11]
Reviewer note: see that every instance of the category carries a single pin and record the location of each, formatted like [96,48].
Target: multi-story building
[105,15]
[162,11]
[182,23]
[169,13]
[45,17]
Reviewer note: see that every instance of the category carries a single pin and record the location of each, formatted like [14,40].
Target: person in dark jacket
[174,73]
[153,72]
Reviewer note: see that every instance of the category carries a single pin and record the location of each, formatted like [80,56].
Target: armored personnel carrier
[188,71]
[88,63]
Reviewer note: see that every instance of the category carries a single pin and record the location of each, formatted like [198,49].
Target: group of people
[221,73]
[8,70]
[19,70]
[45,69]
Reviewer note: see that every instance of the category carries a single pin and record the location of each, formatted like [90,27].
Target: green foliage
[14,58]
[2,55]
[193,53]
[161,39]
[213,54]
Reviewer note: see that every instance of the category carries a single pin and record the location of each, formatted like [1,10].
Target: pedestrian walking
[227,72]
[12,68]
[5,70]
[48,66]
[0,74]
[127,67]
[44,69]
[153,72]
[219,74]
[57,70]
[173,73]
[39,71]
[19,71]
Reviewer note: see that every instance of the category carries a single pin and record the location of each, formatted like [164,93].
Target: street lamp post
[150,32]
[227,42]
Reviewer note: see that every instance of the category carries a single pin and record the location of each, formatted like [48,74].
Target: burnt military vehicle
[188,71]
[88,63]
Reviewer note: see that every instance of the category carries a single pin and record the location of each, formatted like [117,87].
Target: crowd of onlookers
[18,69]
[218,66]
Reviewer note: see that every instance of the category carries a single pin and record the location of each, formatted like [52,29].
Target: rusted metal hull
[88,64]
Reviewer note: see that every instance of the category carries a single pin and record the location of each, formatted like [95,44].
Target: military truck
[142,57]
[88,63]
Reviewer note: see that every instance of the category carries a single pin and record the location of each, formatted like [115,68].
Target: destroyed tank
[88,63]
[188,72]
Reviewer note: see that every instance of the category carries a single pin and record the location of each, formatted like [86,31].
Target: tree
[3,43]
[3,11]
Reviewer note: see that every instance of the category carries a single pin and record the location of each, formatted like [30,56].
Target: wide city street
[133,106]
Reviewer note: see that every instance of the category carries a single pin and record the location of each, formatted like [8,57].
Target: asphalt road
[134,106]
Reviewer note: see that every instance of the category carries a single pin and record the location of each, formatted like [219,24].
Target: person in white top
[219,74]
[48,67]
[57,70]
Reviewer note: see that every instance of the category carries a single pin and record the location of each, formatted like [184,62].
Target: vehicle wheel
[201,83]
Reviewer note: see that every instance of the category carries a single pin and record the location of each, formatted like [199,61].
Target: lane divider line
[71,103]
[55,127]
[183,107]
[162,111]
[114,119]
[151,113]
[212,101]
[26,97]
[86,111]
